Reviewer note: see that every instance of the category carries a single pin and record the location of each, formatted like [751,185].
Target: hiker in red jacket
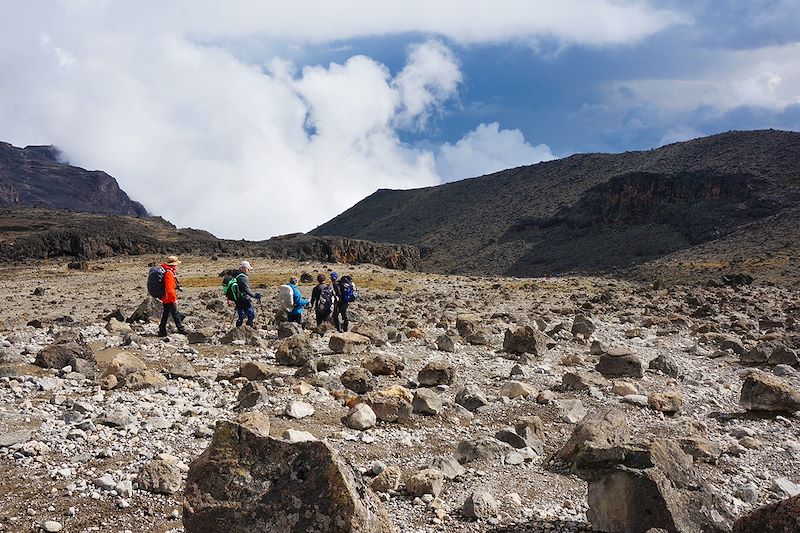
[170,299]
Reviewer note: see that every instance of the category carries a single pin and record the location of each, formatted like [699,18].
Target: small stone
[298,409]
[667,402]
[517,389]
[360,417]
[293,435]
[480,505]
[51,526]
[437,373]
[427,481]
[623,388]
[426,402]
[387,480]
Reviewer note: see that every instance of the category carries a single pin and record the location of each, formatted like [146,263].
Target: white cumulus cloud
[489,149]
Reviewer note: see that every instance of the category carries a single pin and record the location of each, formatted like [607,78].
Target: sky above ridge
[254,118]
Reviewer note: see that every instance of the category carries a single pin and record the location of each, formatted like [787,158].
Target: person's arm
[245,286]
[315,294]
[299,301]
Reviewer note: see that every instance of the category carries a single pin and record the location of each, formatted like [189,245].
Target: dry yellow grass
[276,279]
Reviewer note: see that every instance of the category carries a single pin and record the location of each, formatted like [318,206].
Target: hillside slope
[34,177]
[34,233]
[589,213]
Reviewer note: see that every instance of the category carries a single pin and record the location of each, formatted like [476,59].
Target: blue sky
[193,105]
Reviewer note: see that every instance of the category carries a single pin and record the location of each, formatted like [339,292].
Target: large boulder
[437,373]
[391,405]
[638,488]
[149,309]
[124,363]
[583,325]
[242,335]
[287,329]
[358,379]
[525,340]
[767,392]
[378,336]
[598,430]
[468,324]
[64,354]
[348,342]
[776,517]
[620,366]
[247,482]
[383,364]
[294,351]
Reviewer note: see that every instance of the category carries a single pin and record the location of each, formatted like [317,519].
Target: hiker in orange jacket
[170,299]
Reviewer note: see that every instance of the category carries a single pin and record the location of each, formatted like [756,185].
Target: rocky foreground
[456,404]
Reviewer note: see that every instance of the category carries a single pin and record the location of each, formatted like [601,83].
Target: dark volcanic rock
[525,340]
[777,517]
[61,355]
[246,482]
[37,176]
[766,392]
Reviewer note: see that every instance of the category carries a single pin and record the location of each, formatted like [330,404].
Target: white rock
[293,435]
[298,409]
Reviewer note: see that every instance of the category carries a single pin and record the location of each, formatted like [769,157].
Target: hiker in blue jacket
[296,314]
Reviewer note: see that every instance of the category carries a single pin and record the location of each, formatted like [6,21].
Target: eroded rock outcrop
[247,482]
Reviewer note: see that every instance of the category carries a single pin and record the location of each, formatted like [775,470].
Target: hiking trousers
[297,318]
[170,310]
[341,311]
[245,310]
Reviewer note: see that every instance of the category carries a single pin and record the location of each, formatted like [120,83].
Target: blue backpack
[349,291]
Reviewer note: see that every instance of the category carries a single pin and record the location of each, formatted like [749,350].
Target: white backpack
[286,297]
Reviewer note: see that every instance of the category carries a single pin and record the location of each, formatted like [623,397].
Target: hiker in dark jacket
[322,300]
[340,317]
[244,306]
[170,298]
[296,313]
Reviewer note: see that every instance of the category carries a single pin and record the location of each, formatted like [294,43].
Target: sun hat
[173,260]
[334,276]
[245,264]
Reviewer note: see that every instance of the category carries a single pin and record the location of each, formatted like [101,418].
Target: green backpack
[230,287]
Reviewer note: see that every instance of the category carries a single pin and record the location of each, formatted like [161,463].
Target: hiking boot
[182,331]
[250,323]
[162,333]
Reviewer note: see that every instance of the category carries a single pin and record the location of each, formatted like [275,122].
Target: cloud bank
[157,94]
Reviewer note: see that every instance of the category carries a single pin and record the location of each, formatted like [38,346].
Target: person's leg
[296,318]
[241,313]
[251,315]
[162,326]
[336,323]
[176,316]
[345,317]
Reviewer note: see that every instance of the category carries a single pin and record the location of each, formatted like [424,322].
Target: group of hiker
[330,302]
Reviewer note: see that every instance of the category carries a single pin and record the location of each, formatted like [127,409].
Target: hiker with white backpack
[292,300]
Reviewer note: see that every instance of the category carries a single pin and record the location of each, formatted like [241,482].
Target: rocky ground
[103,440]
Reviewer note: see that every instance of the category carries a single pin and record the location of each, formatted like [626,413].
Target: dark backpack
[230,288]
[348,288]
[325,301]
[155,282]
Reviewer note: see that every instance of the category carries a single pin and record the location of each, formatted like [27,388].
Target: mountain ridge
[587,213]
[36,176]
